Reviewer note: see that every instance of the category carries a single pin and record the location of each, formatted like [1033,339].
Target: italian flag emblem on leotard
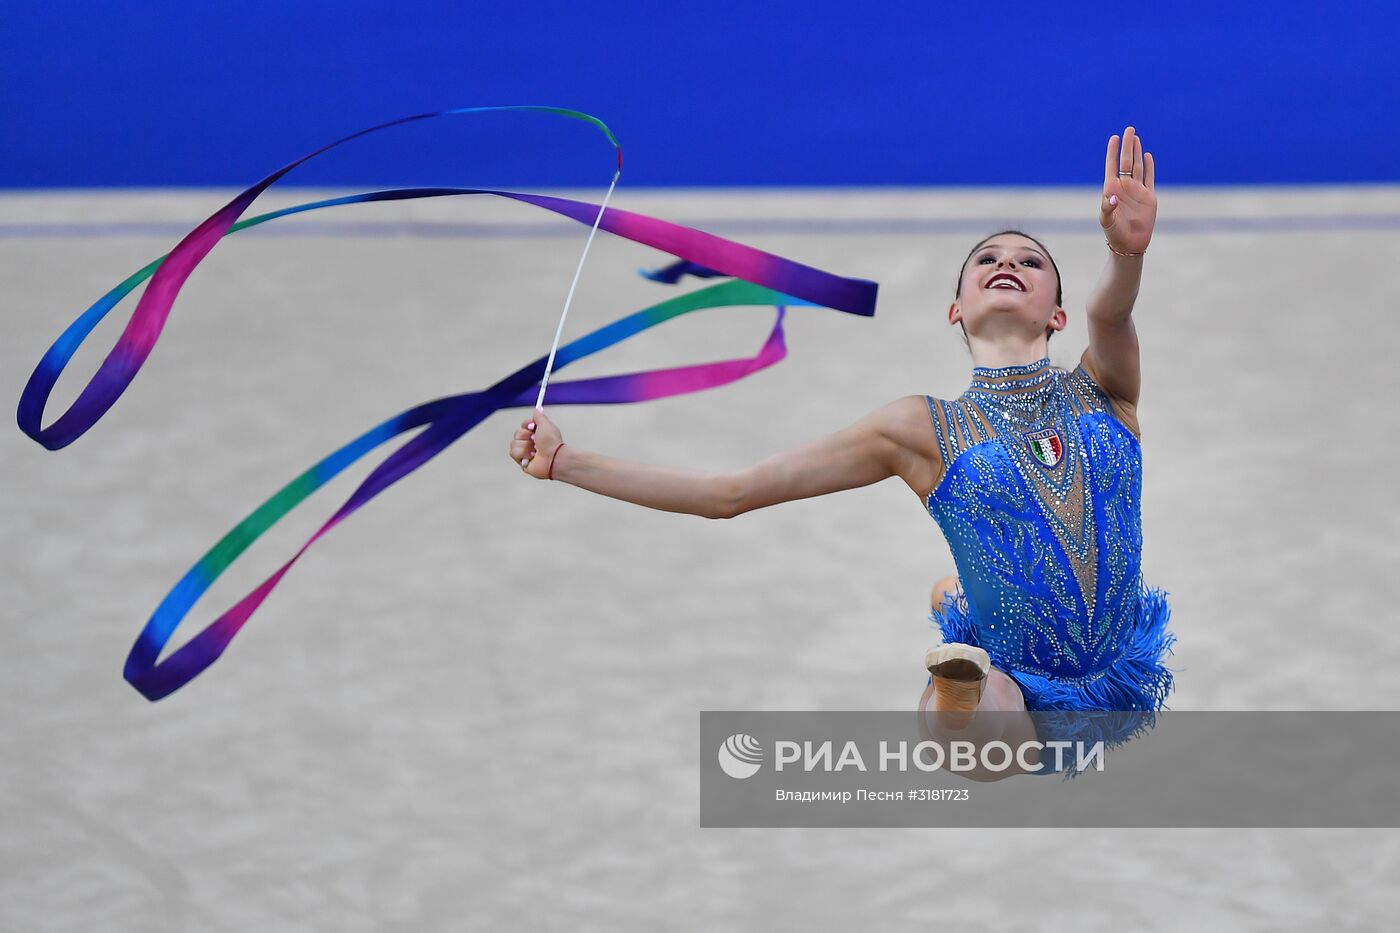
[1046,446]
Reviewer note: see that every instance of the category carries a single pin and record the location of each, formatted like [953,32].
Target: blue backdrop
[972,93]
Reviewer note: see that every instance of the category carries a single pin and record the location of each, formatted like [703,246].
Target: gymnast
[1033,474]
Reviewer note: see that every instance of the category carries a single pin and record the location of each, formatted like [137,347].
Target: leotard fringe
[1134,687]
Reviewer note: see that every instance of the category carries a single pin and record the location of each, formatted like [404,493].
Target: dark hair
[1059,283]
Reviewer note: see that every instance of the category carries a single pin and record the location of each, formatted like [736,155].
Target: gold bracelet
[1119,252]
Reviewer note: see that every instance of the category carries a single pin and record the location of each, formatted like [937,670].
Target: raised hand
[1128,209]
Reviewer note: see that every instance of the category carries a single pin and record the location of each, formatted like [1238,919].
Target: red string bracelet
[553,457]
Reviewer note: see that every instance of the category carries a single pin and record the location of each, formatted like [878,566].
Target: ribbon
[760,278]
[673,273]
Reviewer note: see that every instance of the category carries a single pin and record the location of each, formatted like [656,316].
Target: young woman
[1033,474]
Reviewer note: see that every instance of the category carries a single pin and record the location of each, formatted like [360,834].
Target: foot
[959,677]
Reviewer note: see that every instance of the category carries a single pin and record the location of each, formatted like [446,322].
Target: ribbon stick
[761,279]
[559,331]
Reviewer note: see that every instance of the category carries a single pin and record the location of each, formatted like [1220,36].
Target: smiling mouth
[1007,281]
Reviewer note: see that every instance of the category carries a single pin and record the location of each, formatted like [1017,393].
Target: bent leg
[1001,696]
[1008,721]
[947,586]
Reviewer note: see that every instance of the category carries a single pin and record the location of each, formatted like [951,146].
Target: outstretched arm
[880,445]
[1127,213]
[884,443]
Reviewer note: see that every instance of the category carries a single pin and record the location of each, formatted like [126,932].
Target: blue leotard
[1040,501]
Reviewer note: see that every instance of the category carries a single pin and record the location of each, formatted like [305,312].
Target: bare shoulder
[1124,409]
[908,422]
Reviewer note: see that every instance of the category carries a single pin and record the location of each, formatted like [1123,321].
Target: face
[1008,284]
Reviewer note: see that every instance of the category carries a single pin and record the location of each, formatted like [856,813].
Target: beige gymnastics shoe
[959,676]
